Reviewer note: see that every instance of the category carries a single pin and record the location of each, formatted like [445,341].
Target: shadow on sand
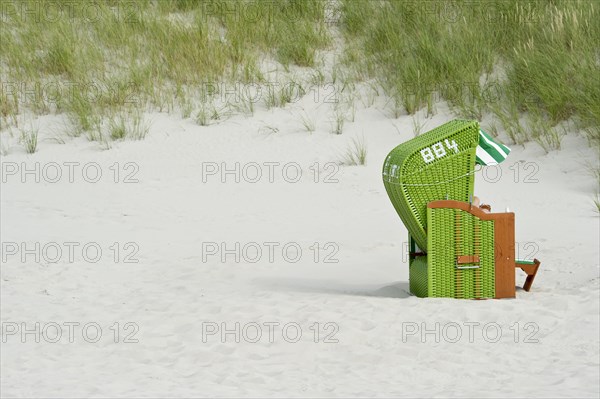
[399,289]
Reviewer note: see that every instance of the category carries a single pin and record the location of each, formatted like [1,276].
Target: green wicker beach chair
[456,249]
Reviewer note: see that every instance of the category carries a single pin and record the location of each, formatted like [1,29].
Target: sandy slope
[171,293]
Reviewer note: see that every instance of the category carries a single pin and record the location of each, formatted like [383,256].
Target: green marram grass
[91,62]
[504,57]
[548,53]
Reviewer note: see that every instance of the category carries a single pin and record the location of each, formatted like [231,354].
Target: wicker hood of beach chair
[437,165]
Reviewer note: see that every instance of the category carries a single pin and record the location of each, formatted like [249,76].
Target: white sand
[171,293]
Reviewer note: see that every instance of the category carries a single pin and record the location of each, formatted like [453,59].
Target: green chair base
[417,277]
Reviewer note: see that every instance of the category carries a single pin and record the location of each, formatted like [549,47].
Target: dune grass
[529,64]
[90,60]
[548,53]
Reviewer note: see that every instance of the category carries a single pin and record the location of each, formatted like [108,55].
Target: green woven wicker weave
[417,276]
[437,165]
[451,233]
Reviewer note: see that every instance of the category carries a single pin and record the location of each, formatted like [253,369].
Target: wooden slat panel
[504,237]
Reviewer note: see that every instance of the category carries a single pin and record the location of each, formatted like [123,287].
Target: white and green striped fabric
[490,152]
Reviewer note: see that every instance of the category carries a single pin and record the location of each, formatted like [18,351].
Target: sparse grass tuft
[203,115]
[117,128]
[29,139]
[339,120]
[541,130]
[418,125]
[138,126]
[267,129]
[310,125]
[356,154]
[121,125]
[208,113]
